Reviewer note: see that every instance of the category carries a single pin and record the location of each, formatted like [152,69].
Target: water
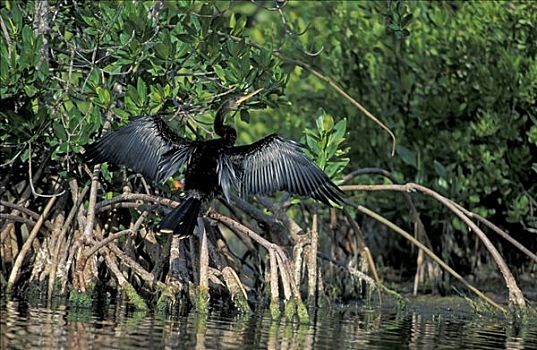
[338,327]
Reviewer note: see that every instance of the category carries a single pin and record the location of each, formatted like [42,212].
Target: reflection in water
[117,327]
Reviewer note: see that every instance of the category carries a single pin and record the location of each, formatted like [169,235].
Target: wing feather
[146,145]
[275,164]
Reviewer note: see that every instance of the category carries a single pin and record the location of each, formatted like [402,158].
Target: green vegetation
[455,82]
[81,299]
[134,298]
[202,299]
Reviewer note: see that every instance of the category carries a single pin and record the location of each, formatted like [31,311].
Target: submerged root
[81,299]
[133,297]
[280,266]
[201,299]
[236,290]
[170,298]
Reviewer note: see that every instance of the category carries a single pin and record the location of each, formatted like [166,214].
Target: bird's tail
[182,220]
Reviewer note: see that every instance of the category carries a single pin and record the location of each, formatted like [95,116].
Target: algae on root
[201,300]
[163,302]
[169,296]
[241,303]
[275,312]
[302,312]
[81,299]
[290,309]
[134,298]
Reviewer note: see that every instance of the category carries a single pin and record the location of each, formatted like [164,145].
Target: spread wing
[274,164]
[146,145]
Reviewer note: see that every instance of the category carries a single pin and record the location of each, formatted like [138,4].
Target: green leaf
[186,38]
[141,88]
[59,130]
[440,170]
[406,20]
[219,72]
[331,150]
[27,36]
[162,51]
[313,145]
[104,96]
[106,173]
[532,134]
[340,128]
[458,225]
[328,122]
[406,155]
[133,94]
[16,16]
[474,198]
[442,183]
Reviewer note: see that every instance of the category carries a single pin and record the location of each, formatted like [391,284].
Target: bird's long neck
[226,132]
[219,120]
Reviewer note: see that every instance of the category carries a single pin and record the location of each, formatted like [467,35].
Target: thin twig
[26,211]
[30,177]
[6,36]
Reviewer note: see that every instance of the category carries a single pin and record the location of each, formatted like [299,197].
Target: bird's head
[235,102]
[228,133]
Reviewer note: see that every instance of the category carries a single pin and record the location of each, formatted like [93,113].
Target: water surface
[338,327]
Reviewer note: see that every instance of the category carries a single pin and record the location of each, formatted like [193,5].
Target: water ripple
[25,327]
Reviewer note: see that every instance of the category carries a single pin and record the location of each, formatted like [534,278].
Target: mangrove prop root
[498,231]
[365,253]
[202,298]
[419,229]
[21,209]
[312,261]
[90,216]
[516,298]
[289,285]
[27,245]
[55,264]
[275,311]
[236,289]
[430,254]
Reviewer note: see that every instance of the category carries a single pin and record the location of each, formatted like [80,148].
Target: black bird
[214,167]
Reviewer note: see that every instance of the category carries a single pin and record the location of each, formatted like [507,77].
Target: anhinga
[148,146]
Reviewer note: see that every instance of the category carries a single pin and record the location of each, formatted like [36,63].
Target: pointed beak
[247,97]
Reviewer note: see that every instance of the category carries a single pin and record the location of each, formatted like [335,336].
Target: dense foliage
[456,82]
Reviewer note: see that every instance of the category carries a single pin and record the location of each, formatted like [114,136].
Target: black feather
[146,145]
[182,220]
[275,164]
